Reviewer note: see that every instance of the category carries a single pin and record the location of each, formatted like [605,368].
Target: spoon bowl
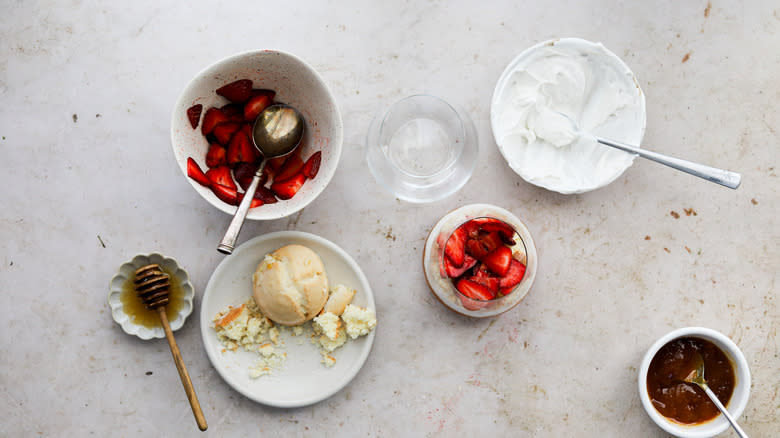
[696,377]
[277,131]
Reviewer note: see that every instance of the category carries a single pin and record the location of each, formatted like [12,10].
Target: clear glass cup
[443,286]
[422,148]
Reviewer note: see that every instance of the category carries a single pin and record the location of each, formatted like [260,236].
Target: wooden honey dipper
[151,285]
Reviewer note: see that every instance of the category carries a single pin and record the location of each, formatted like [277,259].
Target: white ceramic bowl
[442,287]
[739,397]
[586,82]
[297,84]
[127,273]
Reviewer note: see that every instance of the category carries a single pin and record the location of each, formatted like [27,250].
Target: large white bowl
[739,397]
[297,84]
[581,167]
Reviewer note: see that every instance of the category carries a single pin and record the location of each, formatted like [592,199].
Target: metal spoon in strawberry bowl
[277,131]
[719,176]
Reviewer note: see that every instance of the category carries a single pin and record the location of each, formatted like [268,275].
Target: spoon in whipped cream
[571,130]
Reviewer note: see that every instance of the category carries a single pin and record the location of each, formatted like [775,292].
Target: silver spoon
[277,131]
[718,176]
[697,378]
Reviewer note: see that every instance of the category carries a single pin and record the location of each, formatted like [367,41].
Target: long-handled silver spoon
[277,131]
[718,176]
[697,378]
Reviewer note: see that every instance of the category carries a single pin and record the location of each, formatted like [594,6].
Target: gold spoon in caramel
[151,285]
[696,377]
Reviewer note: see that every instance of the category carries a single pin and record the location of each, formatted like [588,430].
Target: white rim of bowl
[506,73]
[339,129]
[740,395]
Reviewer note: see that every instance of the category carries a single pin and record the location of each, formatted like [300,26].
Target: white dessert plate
[302,379]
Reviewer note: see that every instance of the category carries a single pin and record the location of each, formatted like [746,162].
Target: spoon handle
[724,411]
[231,235]
[718,176]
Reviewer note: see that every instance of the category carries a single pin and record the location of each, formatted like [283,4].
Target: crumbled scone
[328,344]
[359,321]
[329,324]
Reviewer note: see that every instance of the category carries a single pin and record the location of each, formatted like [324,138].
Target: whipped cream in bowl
[551,100]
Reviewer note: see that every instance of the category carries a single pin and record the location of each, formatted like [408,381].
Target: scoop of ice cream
[290,285]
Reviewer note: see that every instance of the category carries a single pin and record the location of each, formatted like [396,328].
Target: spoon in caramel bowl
[696,377]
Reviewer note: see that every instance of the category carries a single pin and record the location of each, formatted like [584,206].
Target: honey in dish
[682,402]
[134,307]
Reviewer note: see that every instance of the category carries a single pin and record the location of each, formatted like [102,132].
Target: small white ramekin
[739,397]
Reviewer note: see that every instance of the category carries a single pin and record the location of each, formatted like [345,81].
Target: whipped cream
[550,95]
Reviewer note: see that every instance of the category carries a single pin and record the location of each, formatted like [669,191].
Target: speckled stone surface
[89,180]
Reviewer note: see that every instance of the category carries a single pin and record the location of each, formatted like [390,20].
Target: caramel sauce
[682,402]
[134,307]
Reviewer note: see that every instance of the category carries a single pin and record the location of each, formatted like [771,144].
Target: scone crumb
[359,321]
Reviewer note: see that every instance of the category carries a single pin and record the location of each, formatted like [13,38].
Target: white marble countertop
[90,180]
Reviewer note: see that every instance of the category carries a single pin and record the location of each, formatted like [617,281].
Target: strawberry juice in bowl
[479,260]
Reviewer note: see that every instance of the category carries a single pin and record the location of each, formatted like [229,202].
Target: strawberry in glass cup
[485,258]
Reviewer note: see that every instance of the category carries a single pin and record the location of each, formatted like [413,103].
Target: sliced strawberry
[194,172]
[256,105]
[312,165]
[226,194]
[233,111]
[213,117]
[255,202]
[240,150]
[499,260]
[504,230]
[236,92]
[266,195]
[292,166]
[286,189]
[215,156]
[483,277]
[504,291]
[221,175]
[276,163]
[456,246]
[263,92]
[193,113]
[513,275]
[453,271]
[243,173]
[224,132]
[476,249]
[474,290]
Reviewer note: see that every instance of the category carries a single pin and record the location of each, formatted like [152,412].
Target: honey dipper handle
[183,374]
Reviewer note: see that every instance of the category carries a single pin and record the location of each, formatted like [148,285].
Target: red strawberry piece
[499,260]
[221,175]
[255,106]
[292,166]
[504,230]
[236,92]
[453,271]
[215,156]
[504,291]
[266,195]
[483,277]
[288,188]
[276,163]
[193,113]
[255,202]
[312,165]
[213,117]
[456,246]
[233,111]
[224,132]
[476,249]
[513,275]
[244,172]
[474,290]
[194,172]
[240,150]
[226,194]
[263,92]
